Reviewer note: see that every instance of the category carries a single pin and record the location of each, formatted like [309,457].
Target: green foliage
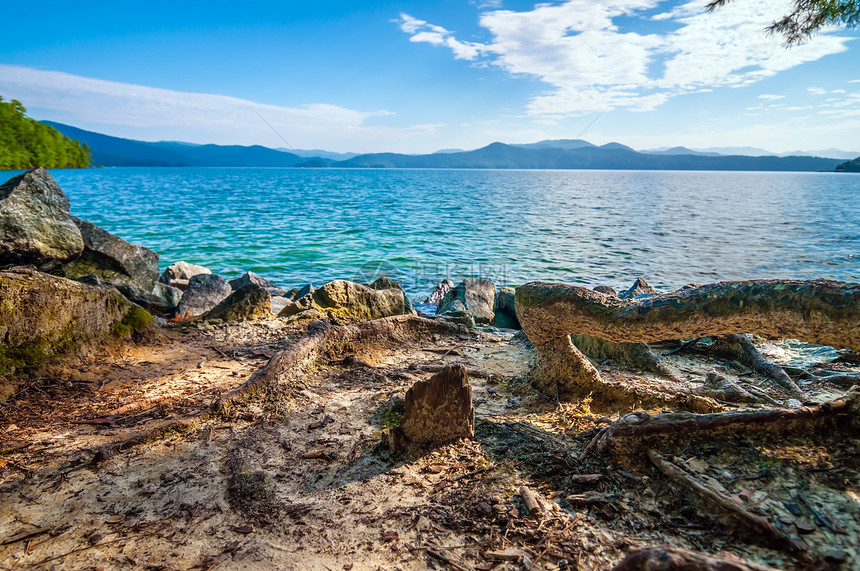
[849,166]
[136,320]
[807,17]
[25,143]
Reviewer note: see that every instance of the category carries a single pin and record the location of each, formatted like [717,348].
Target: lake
[295,226]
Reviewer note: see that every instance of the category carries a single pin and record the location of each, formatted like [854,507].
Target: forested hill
[27,143]
[849,166]
[611,156]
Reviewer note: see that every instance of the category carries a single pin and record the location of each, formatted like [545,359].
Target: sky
[416,77]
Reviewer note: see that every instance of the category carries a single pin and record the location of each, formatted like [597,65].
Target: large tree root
[818,311]
[739,347]
[286,367]
[562,371]
[667,558]
[634,355]
[634,432]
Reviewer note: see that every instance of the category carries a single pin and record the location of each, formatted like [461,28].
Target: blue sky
[411,76]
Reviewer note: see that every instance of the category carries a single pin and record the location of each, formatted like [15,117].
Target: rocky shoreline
[176,420]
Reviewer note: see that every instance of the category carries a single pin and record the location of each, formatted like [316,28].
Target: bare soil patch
[298,476]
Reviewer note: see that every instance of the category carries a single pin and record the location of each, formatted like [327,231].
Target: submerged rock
[204,292]
[35,225]
[178,274]
[248,303]
[113,259]
[478,296]
[437,411]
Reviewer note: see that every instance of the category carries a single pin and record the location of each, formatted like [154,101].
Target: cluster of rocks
[37,230]
[474,302]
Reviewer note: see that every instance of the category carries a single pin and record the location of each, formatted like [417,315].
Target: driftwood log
[817,311]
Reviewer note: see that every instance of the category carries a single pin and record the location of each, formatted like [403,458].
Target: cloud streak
[150,113]
[590,62]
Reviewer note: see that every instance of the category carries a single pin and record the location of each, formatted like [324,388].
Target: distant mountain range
[558,154]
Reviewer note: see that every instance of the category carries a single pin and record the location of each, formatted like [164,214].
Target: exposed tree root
[818,311]
[634,355]
[739,347]
[285,368]
[667,558]
[632,432]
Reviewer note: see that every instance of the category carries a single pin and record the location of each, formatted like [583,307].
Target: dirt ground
[300,478]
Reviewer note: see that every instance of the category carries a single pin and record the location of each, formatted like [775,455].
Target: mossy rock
[42,316]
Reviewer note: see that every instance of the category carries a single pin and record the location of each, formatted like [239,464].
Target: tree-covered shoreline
[26,143]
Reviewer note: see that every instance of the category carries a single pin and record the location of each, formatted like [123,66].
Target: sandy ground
[299,478]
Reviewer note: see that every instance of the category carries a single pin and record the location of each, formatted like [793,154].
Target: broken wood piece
[509,554]
[666,558]
[532,502]
[587,498]
[437,411]
[314,454]
[760,525]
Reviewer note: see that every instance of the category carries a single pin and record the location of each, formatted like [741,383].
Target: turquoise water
[585,227]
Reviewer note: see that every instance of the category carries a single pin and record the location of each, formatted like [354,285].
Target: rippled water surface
[585,227]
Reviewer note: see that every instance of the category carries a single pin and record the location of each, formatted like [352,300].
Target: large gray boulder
[478,296]
[113,259]
[204,292]
[178,274]
[35,225]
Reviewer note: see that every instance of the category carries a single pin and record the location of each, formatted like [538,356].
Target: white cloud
[768,97]
[150,113]
[591,64]
[421,31]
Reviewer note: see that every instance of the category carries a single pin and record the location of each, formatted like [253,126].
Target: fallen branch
[665,558]
[755,523]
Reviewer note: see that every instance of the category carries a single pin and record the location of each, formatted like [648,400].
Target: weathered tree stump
[437,411]
[818,311]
